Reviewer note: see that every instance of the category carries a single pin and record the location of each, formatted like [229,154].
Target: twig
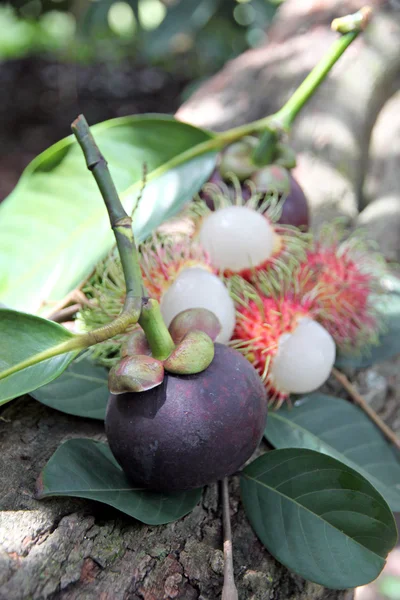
[229,591]
[358,399]
[65,314]
[76,296]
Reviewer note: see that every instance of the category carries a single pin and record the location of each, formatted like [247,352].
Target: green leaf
[54,226]
[318,517]
[82,390]
[388,307]
[340,429]
[87,469]
[23,336]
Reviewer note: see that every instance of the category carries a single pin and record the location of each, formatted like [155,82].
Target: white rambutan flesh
[236,238]
[304,358]
[197,288]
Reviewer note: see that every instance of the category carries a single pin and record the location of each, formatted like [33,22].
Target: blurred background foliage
[193,37]
[108,58]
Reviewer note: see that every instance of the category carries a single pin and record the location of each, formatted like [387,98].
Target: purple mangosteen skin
[295,209]
[191,430]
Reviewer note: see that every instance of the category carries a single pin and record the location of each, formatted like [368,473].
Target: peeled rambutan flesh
[237,238]
[191,430]
[304,358]
[197,288]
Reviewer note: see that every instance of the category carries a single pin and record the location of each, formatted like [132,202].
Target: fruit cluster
[284,298]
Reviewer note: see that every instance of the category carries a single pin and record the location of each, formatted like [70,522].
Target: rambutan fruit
[198,288]
[179,275]
[176,272]
[341,276]
[277,332]
[162,260]
[241,234]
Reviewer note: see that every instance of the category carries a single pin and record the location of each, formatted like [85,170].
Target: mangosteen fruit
[295,207]
[192,429]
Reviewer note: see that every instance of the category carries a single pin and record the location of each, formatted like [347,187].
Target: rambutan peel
[342,278]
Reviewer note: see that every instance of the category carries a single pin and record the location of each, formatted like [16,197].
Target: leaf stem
[361,402]
[229,591]
[78,342]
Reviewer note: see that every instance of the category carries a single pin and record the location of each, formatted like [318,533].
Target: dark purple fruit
[295,208]
[191,430]
[216,179]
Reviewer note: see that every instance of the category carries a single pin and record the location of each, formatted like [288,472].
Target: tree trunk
[71,549]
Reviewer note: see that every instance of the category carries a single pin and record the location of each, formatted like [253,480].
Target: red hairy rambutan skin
[162,260]
[260,323]
[341,277]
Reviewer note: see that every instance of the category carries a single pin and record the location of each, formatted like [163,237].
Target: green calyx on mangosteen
[192,429]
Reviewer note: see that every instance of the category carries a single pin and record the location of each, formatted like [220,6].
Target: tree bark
[70,549]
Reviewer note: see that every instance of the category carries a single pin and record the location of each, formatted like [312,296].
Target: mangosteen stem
[265,152]
[147,313]
[362,403]
[229,591]
[158,336]
[121,222]
[349,26]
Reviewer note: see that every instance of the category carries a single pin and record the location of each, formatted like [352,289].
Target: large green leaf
[388,307]
[318,517]
[340,429]
[82,390]
[54,227]
[87,469]
[21,337]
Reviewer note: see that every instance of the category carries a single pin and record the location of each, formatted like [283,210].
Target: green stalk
[121,222]
[157,335]
[78,342]
[287,114]
[148,315]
